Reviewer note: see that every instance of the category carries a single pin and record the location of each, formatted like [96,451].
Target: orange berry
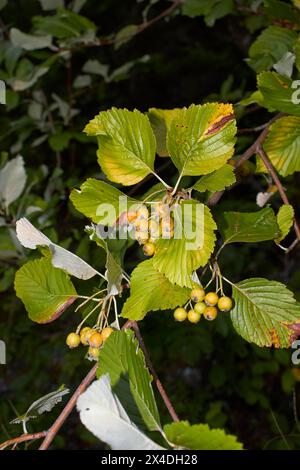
[73,340]
[211,299]
[193,316]
[95,340]
[106,332]
[197,294]
[85,335]
[93,353]
[225,304]
[210,313]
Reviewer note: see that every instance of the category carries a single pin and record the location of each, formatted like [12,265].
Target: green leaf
[160,120]
[283,146]
[200,437]
[45,291]
[265,312]
[125,34]
[191,246]
[270,46]
[29,42]
[285,218]
[248,227]
[64,25]
[127,146]
[297,54]
[51,4]
[212,10]
[216,181]
[12,181]
[151,291]
[282,11]
[201,138]
[101,202]
[279,92]
[124,361]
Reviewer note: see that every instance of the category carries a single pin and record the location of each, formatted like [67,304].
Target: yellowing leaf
[45,291]
[283,146]
[150,291]
[201,138]
[126,146]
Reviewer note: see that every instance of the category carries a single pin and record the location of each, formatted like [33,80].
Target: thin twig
[71,403]
[68,408]
[215,197]
[158,383]
[23,438]
[272,172]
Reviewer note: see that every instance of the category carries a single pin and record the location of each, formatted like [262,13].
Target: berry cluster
[204,304]
[89,337]
[149,228]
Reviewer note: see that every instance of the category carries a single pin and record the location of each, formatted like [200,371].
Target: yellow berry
[154,229]
[210,313]
[141,225]
[193,316]
[131,216]
[106,332]
[149,249]
[180,314]
[162,209]
[225,304]
[73,340]
[197,294]
[141,237]
[95,340]
[200,307]
[93,353]
[211,299]
[143,213]
[85,335]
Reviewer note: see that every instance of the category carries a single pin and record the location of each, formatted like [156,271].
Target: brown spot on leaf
[216,126]
[60,310]
[275,341]
[295,331]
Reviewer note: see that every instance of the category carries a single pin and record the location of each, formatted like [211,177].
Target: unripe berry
[106,332]
[180,314]
[193,316]
[211,299]
[93,353]
[197,294]
[85,335]
[225,304]
[149,249]
[95,340]
[200,307]
[210,313]
[73,340]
